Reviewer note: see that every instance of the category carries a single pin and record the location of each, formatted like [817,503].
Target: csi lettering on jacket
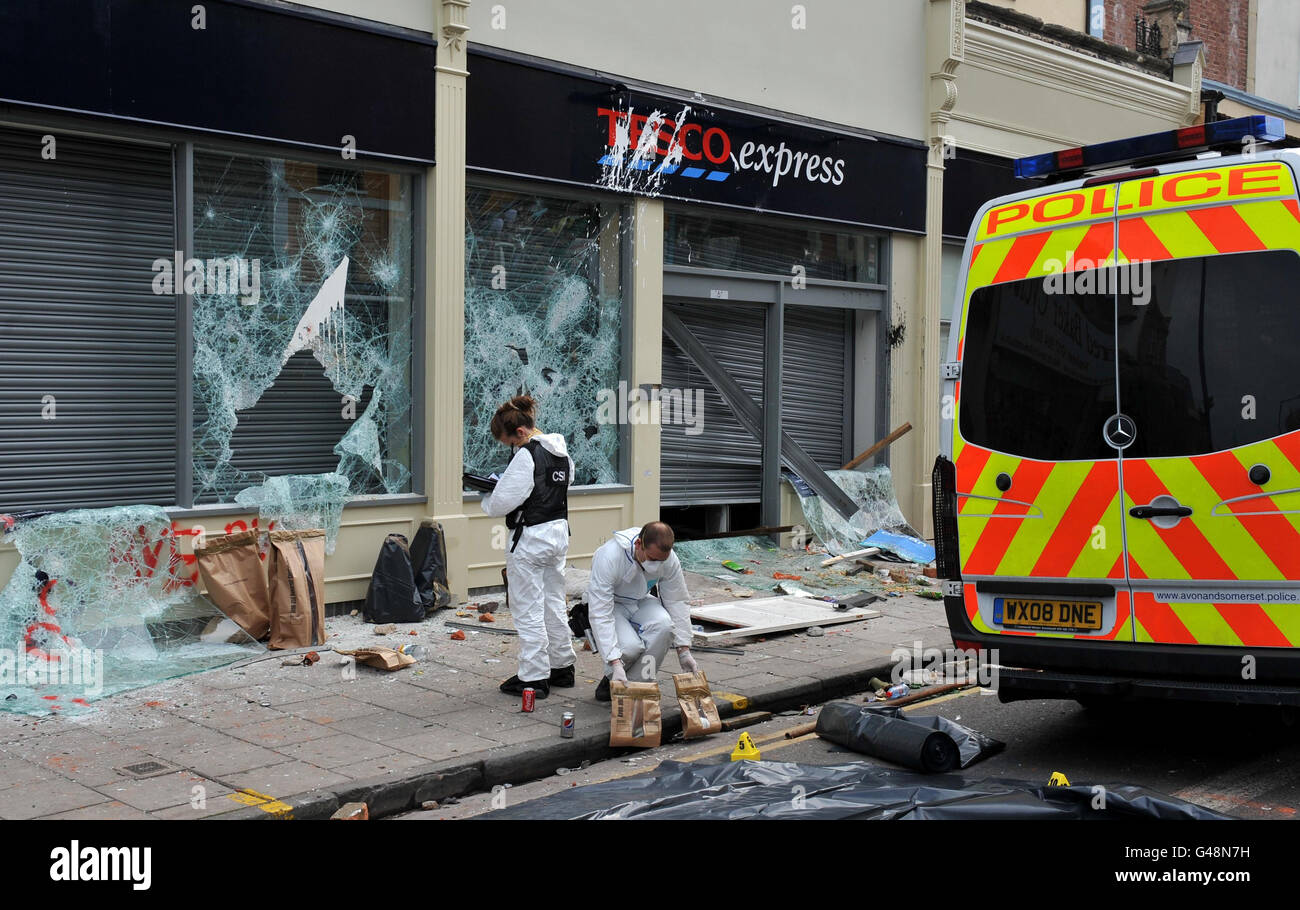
[616,577]
[538,542]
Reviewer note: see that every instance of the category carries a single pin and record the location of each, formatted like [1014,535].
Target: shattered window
[543,316]
[302,366]
[770,247]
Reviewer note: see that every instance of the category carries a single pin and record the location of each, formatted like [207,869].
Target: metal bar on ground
[869,551]
[481,627]
[751,532]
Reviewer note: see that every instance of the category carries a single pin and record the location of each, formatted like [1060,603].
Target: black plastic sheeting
[392,595]
[785,790]
[924,743]
[429,560]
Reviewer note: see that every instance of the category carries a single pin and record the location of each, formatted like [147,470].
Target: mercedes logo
[1120,431]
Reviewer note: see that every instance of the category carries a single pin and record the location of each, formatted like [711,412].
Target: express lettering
[780,161]
[1170,189]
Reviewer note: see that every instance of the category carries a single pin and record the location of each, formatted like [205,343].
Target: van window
[1038,369]
[1212,359]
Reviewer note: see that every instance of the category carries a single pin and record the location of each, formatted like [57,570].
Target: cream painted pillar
[945,34]
[444,299]
[646,368]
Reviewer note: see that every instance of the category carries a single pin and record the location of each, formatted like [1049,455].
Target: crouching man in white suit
[633,628]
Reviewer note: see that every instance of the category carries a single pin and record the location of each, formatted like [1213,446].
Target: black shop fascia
[540,120]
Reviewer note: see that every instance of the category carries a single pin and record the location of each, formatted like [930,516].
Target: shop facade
[562,205]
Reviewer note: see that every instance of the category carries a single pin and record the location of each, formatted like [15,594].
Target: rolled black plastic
[892,738]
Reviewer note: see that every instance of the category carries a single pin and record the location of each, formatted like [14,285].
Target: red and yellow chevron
[1066,519]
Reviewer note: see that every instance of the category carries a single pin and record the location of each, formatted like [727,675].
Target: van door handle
[1160,511]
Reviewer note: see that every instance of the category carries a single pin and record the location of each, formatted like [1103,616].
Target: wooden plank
[877,447]
[745,720]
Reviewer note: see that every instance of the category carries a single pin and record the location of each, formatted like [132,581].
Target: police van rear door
[1039,515]
[1209,391]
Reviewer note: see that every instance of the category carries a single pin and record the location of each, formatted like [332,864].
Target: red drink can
[530,699]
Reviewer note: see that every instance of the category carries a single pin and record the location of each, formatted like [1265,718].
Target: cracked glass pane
[103,600]
[543,315]
[302,366]
[299,502]
[873,491]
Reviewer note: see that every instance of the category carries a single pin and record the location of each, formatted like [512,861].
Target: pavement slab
[307,735]
[163,792]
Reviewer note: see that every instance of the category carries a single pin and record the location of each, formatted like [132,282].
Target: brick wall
[1222,24]
[1224,27]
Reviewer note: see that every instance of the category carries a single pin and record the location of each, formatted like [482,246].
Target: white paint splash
[634,170]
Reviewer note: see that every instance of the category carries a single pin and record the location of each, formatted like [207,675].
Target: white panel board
[771,614]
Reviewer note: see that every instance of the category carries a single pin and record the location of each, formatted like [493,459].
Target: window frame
[493,183]
[182,144]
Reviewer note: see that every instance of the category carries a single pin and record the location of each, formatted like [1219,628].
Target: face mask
[651,566]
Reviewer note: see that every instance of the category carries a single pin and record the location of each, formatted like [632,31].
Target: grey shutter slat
[814,382]
[723,463]
[79,321]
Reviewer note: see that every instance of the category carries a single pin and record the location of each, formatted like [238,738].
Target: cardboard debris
[380,658]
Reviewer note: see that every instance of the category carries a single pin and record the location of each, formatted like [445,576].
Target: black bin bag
[928,743]
[429,557]
[392,595]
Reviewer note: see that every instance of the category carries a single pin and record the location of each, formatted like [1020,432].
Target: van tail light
[963,645]
[944,492]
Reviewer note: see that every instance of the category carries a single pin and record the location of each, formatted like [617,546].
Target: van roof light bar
[1171,145]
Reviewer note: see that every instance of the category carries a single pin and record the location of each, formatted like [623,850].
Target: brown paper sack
[699,713]
[379,658]
[296,579]
[233,573]
[634,714]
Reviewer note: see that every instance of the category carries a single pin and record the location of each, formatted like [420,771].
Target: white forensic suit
[626,621]
[535,568]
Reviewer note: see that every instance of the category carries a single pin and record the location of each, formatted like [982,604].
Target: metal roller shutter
[723,463]
[79,321]
[814,381]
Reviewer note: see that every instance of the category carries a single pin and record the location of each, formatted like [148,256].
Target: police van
[1117,502]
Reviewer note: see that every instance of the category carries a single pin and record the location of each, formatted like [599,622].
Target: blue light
[1171,145]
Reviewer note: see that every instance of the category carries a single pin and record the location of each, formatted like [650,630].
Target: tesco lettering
[713,144]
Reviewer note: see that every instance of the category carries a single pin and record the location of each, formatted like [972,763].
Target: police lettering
[1159,192]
